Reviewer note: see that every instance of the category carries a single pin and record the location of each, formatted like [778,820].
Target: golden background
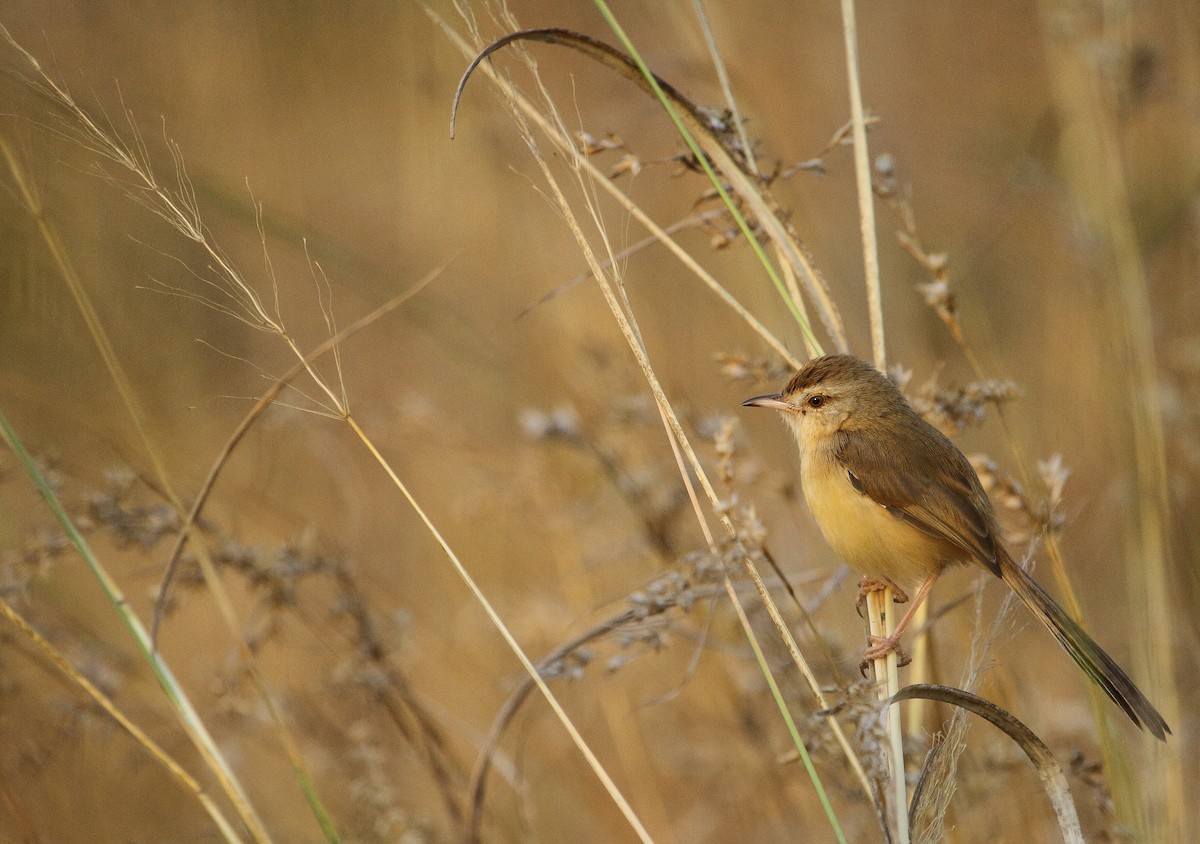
[335,117]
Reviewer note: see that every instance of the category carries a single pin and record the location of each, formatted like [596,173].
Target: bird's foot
[879,648]
[877,584]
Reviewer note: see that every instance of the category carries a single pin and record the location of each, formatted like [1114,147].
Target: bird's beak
[774,401]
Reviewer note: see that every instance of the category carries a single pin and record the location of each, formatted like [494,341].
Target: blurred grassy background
[335,118]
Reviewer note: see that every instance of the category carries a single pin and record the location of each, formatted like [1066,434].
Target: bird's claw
[875,584]
[880,647]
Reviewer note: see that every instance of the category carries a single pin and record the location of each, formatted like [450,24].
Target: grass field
[198,196]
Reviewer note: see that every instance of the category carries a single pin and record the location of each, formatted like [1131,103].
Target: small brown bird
[898,501]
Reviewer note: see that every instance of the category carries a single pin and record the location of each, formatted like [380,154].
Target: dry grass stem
[314,669]
[521,109]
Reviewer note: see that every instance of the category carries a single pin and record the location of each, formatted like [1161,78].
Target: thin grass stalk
[179,210]
[789,273]
[175,206]
[714,53]
[692,264]
[921,651]
[747,628]
[887,668]
[1117,764]
[132,405]
[813,776]
[613,293]
[177,772]
[749,190]
[628,325]
[522,109]
[181,213]
[661,397]
[634,756]
[568,149]
[894,727]
[716,182]
[264,402]
[576,737]
[866,193]
[188,716]
[743,619]
[881,618]
[28,196]
[1095,172]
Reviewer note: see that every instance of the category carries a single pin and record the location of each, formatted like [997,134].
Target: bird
[899,502]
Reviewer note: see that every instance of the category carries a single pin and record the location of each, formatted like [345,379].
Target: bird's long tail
[1083,649]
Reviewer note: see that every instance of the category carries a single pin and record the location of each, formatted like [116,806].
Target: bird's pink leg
[881,646]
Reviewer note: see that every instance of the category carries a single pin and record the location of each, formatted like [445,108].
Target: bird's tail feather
[1097,664]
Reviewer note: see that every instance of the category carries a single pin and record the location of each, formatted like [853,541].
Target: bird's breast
[864,533]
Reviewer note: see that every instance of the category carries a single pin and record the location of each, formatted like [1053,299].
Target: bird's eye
[816,401]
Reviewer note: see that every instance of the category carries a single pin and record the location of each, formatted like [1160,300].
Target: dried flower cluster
[951,409]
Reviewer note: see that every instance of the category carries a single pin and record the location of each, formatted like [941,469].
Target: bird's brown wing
[900,474]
